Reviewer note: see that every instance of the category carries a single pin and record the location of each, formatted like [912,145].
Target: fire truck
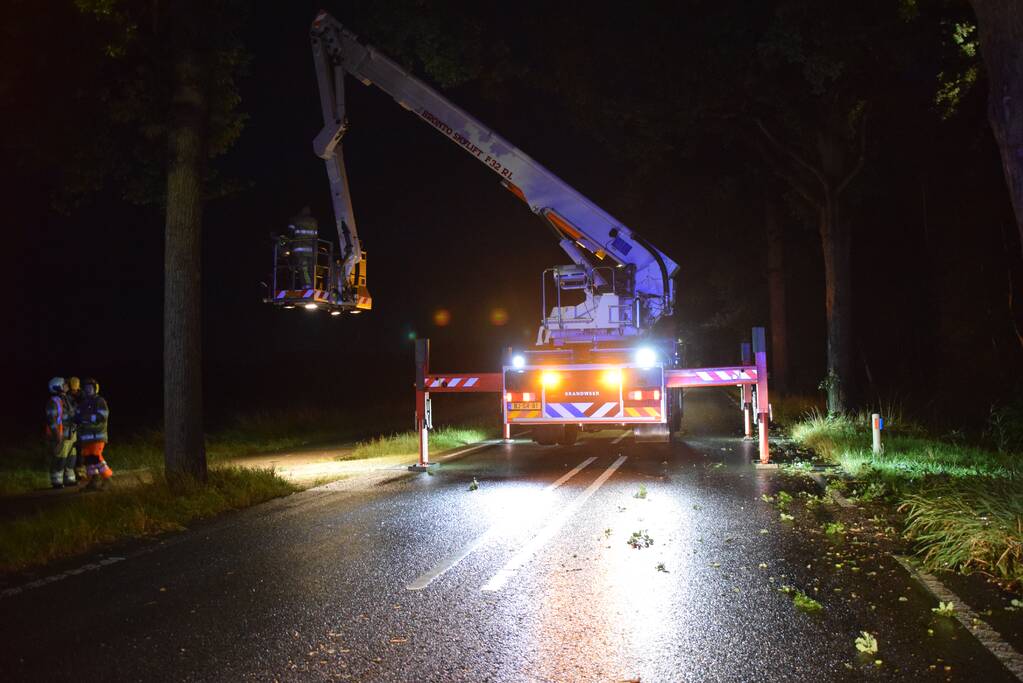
[600,357]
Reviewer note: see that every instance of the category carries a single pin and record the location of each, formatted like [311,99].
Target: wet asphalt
[315,586]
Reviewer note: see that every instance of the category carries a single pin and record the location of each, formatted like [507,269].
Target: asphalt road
[414,577]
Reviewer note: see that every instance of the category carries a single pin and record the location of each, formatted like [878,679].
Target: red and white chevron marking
[483,381]
[451,382]
[314,294]
[573,411]
[710,377]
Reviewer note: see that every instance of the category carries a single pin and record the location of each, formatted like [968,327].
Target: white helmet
[57,385]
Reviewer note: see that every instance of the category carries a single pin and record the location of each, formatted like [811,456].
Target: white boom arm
[582,225]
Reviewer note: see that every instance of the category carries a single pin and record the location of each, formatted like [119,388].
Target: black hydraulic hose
[660,262]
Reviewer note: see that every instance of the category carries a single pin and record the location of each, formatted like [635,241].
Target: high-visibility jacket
[60,417]
[93,416]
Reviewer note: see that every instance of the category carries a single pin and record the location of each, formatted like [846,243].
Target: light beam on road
[501,578]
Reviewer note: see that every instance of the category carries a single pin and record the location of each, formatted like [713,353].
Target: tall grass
[87,521]
[788,409]
[964,503]
[970,526]
[909,453]
[407,443]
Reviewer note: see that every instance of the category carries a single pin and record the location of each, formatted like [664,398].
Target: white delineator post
[876,424]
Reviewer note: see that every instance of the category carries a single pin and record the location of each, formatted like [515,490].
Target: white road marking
[92,566]
[471,449]
[501,578]
[988,637]
[625,434]
[457,556]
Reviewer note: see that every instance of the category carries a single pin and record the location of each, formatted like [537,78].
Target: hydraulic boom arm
[590,236]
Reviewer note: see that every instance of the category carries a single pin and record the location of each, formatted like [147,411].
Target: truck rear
[560,399]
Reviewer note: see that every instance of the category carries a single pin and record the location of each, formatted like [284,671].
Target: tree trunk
[1001,43]
[836,242]
[184,447]
[776,294]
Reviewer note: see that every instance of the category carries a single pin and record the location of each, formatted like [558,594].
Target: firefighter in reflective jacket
[60,435]
[93,416]
[304,231]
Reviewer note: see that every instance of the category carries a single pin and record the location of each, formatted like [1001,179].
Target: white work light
[518,361]
[311,307]
[646,357]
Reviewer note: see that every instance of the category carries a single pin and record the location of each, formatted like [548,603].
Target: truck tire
[547,435]
[675,409]
[569,435]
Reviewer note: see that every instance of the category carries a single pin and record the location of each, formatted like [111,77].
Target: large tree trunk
[184,448]
[836,242]
[1001,42]
[776,294]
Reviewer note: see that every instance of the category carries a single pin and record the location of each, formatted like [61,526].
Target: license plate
[524,406]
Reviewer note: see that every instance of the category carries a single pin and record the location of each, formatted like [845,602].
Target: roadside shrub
[969,526]
[1005,427]
[407,443]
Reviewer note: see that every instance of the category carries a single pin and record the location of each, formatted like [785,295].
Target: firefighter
[74,396]
[93,416]
[60,435]
[303,231]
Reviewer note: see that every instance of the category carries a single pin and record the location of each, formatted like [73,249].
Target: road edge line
[992,641]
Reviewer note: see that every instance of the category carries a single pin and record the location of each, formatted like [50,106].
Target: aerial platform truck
[599,360]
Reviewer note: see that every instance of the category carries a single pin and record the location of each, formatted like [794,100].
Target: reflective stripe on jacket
[93,416]
[55,417]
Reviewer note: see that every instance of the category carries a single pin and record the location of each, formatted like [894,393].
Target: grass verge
[971,526]
[91,520]
[407,443]
[23,467]
[964,504]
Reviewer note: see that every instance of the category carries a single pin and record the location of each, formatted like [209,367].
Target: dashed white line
[457,556]
[501,578]
[626,433]
[92,566]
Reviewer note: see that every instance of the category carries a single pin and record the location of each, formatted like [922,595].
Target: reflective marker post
[876,425]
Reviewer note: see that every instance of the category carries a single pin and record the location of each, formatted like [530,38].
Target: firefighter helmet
[74,384]
[90,382]
[57,385]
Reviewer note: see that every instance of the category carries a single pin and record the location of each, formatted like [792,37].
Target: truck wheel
[569,435]
[547,435]
[675,409]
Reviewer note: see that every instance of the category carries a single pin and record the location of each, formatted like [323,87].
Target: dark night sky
[441,232]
